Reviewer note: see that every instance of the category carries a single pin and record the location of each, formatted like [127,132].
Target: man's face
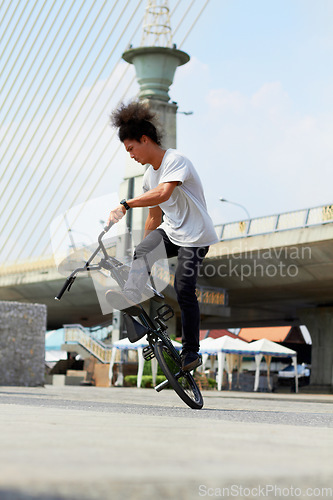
[137,150]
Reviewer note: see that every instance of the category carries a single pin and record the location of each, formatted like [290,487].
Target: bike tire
[182,382]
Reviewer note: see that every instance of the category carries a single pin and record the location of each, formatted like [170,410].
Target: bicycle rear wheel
[182,382]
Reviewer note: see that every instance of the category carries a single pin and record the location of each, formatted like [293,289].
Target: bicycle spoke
[182,382]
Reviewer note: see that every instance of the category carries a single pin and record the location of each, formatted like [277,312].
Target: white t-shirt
[186,220]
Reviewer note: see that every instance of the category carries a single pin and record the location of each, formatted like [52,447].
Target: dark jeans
[189,261]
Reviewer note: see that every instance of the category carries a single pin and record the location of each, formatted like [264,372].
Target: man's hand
[116,214]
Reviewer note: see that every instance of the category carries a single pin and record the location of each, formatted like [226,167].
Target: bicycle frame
[155,329]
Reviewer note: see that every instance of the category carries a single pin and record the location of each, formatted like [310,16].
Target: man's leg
[189,261]
[154,247]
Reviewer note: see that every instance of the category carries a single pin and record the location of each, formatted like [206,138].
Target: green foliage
[130,380]
[147,369]
[212,383]
[147,380]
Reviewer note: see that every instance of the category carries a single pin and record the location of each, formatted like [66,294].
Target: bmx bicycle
[154,328]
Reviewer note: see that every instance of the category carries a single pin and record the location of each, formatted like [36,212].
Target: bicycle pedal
[148,353]
[165,312]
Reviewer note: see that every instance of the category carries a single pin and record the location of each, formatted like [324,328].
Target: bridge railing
[279,222]
[77,334]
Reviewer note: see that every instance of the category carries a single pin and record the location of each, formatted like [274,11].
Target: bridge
[276,269]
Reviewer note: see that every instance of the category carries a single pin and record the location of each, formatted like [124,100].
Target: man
[172,189]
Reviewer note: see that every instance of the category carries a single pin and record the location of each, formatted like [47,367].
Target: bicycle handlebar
[68,283]
[107,227]
[70,280]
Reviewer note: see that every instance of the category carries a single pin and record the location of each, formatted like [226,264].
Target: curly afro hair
[135,120]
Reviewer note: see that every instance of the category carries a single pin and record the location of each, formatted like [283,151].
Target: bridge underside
[270,284]
[80,305]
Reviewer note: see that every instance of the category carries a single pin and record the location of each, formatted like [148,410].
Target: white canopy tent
[226,348]
[125,344]
[266,348]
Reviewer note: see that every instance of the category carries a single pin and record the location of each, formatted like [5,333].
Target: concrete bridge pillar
[320,324]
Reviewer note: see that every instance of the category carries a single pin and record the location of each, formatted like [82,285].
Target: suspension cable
[36,204]
[41,99]
[194,23]
[27,214]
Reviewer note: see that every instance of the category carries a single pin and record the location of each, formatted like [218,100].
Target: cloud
[262,151]
[224,101]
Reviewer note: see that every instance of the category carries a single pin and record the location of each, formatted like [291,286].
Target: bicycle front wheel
[182,382]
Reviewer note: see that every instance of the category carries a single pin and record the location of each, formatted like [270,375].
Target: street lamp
[238,204]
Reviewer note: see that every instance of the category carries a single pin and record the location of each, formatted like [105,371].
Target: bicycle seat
[135,331]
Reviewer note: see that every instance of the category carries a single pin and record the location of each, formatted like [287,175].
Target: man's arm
[155,196]
[153,220]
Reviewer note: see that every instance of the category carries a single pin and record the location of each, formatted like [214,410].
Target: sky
[259,84]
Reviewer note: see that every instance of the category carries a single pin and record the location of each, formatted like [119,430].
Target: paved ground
[129,443]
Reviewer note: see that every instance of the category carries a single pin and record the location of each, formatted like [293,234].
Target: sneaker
[119,301]
[190,360]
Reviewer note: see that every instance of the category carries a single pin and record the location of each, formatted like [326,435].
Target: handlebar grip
[108,226]
[67,284]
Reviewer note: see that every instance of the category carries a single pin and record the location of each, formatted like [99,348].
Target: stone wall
[22,343]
